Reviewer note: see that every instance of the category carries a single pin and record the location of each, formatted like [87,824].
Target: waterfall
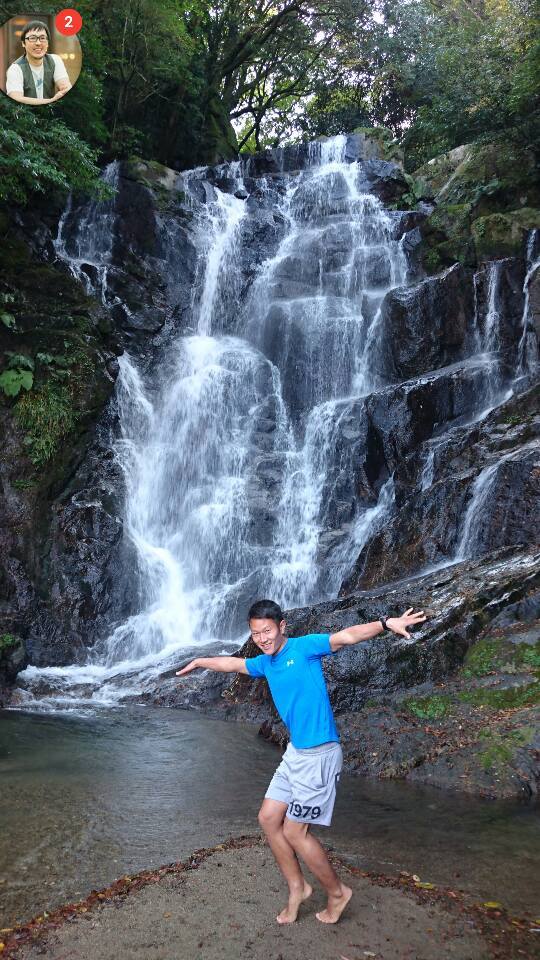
[230,458]
[85,238]
[475,514]
[315,310]
[239,474]
[487,339]
[527,362]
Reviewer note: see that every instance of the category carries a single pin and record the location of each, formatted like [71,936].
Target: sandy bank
[221,904]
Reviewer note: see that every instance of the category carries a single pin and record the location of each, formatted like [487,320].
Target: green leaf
[7,319]
[19,360]
[12,381]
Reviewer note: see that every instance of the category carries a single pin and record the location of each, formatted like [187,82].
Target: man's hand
[192,665]
[399,624]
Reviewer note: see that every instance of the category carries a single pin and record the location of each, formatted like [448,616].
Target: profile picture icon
[38,64]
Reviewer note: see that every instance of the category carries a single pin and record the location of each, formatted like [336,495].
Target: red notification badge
[68,22]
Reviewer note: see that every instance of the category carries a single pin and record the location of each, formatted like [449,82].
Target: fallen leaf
[10,929]
[492,904]
[167,915]
[425,885]
[415,877]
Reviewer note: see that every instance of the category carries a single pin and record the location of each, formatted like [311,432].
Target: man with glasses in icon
[38,76]
[303,789]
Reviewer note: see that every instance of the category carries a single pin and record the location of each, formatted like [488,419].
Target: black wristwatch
[383,621]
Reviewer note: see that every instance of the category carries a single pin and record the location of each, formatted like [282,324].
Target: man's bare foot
[336,906]
[290,913]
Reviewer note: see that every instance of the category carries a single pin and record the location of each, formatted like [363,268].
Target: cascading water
[315,309]
[87,249]
[232,459]
[528,344]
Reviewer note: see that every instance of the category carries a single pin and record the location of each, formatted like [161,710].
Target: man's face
[267,634]
[35,43]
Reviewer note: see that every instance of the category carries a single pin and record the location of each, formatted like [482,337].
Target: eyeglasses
[261,633]
[33,39]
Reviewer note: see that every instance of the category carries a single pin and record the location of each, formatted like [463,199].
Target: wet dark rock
[383,178]
[459,602]
[426,326]
[429,518]
[67,563]
[379,689]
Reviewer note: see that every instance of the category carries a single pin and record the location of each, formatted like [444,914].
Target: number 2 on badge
[68,22]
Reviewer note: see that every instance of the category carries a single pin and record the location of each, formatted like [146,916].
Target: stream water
[89,796]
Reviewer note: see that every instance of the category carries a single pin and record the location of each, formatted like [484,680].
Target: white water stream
[268,398]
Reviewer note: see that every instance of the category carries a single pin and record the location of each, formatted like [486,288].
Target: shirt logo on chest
[290,663]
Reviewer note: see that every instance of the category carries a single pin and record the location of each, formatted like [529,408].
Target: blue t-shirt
[298,688]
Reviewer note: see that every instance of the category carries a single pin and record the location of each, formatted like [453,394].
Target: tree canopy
[188,81]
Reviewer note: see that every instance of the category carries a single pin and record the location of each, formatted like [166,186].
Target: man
[38,76]
[303,788]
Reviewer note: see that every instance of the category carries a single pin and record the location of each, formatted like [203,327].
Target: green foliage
[483,657]
[428,708]
[210,78]
[335,108]
[19,360]
[8,640]
[494,654]
[511,698]
[502,747]
[41,155]
[47,416]
[7,319]
[24,483]
[13,381]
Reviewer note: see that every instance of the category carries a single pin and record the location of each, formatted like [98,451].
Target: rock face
[458,707]
[62,341]
[478,495]
[401,391]
[483,201]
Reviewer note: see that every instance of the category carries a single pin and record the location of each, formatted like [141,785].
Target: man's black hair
[35,25]
[265,610]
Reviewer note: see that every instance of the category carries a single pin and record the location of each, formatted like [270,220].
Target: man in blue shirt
[303,788]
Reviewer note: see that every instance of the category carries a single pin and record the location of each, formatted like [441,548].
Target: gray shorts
[306,781]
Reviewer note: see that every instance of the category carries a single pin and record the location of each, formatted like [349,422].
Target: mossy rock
[503,234]
[491,177]
[428,708]
[150,173]
[437,172]
[389,148]
[8,641]
[491,654]
[447,238]
[59,339]
[500,749]
[506,698]
[13,657]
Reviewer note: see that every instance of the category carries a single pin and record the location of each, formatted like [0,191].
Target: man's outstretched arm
[366,631]
[221,664]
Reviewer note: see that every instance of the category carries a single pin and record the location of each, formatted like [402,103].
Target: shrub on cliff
[41,155]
